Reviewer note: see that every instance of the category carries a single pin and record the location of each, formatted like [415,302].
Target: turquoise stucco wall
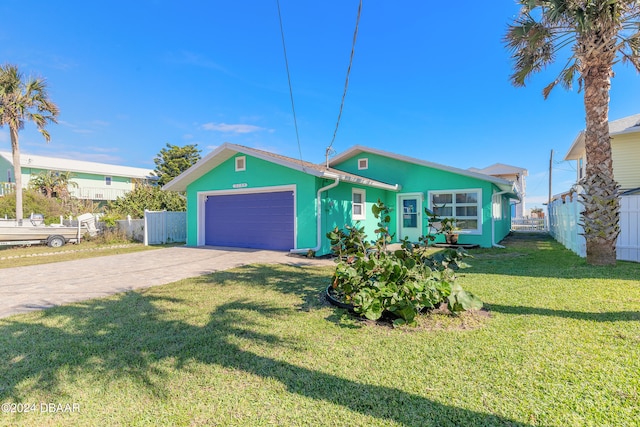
[336,207]
[503,226]
[421,179]
[259,174]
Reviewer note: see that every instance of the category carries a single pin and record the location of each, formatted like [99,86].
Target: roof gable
[228,150]
[625,125]
[504,184]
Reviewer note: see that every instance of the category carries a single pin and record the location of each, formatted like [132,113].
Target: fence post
[146,229]
[165,226]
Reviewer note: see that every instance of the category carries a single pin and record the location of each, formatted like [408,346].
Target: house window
[580,168]
[358,204]
[107,180]
[363,164]
[497,206]
[241,163]
[463,205]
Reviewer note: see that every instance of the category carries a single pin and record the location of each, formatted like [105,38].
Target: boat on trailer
[34,232]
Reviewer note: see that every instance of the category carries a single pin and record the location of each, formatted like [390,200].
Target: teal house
[243,197]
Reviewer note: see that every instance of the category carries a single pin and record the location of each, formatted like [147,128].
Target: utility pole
[550,175]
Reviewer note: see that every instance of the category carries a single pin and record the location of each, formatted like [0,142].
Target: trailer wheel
[56,241]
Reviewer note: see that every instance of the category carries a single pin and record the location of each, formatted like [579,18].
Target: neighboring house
[625,152]
[95,181]
[565,209]
[515,174]
[243,197]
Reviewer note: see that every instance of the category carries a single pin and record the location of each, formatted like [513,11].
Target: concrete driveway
[38,287]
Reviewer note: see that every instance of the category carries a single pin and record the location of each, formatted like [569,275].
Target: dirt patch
[441,319]
[438,319]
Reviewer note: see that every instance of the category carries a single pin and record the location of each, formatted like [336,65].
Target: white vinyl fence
[157,227]
[133,228]
[164,227]
[628,245]
[564,226]
[528,224]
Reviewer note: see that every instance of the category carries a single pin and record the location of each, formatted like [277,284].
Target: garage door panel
[255,220]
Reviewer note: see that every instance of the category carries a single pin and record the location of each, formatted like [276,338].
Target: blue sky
[429,80]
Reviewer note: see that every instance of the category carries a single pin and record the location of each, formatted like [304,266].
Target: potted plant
[438,225]
[449,229]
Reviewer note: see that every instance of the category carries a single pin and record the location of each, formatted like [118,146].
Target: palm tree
[23,100]
[53,183]
[595,34]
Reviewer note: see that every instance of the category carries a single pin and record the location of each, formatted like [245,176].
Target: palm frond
[532,46]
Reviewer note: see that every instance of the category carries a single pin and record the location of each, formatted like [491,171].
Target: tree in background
[23,100]
[173,160]
[598,33]
[147,197]
[53,183]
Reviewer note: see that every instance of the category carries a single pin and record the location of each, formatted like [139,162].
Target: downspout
[493,222]
[318,219]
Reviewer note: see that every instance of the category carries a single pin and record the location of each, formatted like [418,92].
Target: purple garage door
[257,220]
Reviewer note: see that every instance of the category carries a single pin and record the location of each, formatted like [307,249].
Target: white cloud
[232,128]
[103,149]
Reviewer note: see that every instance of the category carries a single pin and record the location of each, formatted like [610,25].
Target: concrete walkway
[37,287]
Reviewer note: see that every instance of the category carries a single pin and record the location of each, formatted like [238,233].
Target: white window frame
[108,180]
[241,163]
[363,204]
[363,164]
[453,206]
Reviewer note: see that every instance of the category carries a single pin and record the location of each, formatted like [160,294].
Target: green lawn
[258,346]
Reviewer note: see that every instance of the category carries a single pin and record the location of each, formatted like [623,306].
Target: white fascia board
[576,149]
[202,166]
[635,129]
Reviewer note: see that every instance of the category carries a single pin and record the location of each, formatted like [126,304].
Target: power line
[286,62]
[346,83]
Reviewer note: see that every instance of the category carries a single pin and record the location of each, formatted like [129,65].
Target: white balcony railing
[528,224]
[96,193]
[84,193]
[7,188]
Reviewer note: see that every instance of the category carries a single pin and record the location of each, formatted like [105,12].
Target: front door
[410,221]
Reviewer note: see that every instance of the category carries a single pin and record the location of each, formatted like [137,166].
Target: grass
[258,346]
[33,255]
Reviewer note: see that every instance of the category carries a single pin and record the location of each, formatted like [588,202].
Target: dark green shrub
[401,283]
[146,197]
